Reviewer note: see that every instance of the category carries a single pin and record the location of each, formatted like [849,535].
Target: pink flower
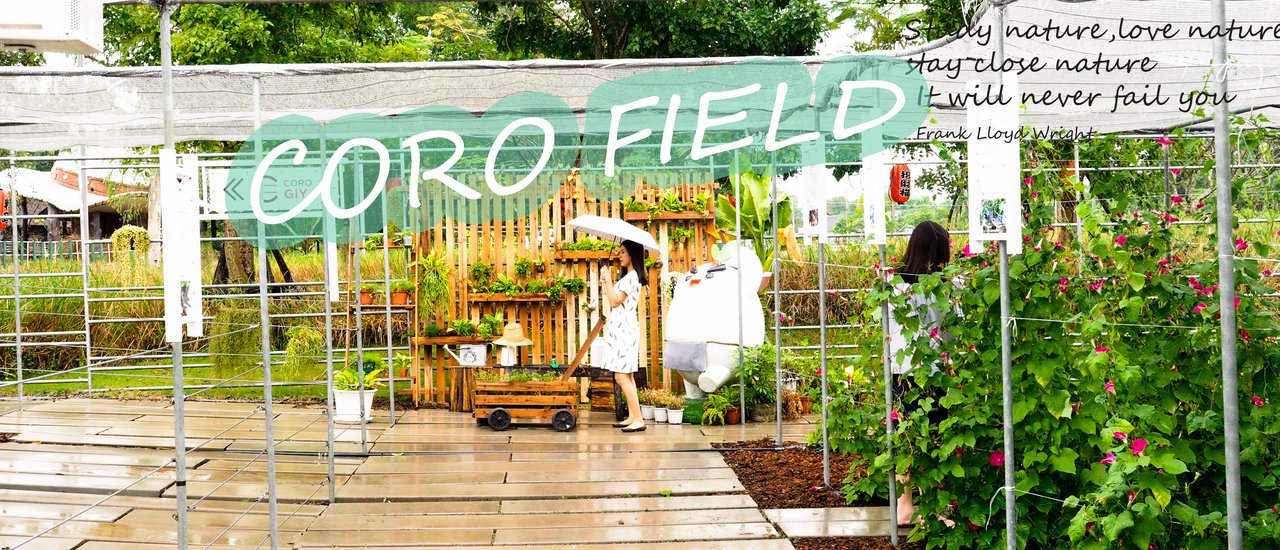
[1175,171]
[1237,306]
[933,332]
[1034,194]
[1132,497]
[1164,141]
[1063,281]
[997,458]
[1110,459]
[1101,349]
[893,416]
[1241,244]
[966,252]
[1199,205]
[816,488]
[1138,446]
[1177,199]
[1028,180]
[1266,273]
[1109,387]
[1199,307]
[1258,402]
[1121,240]
[1121,436]
[1152,547]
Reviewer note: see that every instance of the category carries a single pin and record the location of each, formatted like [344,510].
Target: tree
[314,33]
[598,29]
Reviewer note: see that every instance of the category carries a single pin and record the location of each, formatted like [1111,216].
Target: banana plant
[756,212]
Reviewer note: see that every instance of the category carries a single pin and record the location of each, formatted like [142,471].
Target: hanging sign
[180,241]
[900,183]
[995,190]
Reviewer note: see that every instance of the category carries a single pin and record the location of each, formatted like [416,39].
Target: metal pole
[737,214]
[1227,279]
[386,272]
[777,302]
[1006,352]
[888,404]
[357,229]
[822,357]
[179,392]
[1075,155]
[265,321]
[328,364]
[17,300]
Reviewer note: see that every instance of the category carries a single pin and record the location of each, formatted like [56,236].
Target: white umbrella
[614,229]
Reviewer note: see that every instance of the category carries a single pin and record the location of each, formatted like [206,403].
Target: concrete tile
[623,534]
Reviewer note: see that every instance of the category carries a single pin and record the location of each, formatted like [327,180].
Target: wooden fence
[558,328]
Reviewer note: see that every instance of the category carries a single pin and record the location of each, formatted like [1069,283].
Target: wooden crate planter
[446,341]
[500,404]
[517,297]
[667,216]
[576,255]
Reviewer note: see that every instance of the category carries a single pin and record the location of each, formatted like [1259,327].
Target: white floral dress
[622,332]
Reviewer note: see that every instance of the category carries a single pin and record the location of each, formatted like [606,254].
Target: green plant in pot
[756,369]
[369,292]
[348,400]
[463,327]
[434,283]
[524,268]
[720,410]
[400,292]
[399,364]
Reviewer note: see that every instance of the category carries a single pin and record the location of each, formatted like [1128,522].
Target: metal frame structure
[1226,257]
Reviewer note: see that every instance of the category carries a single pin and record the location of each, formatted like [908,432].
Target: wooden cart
[501,404]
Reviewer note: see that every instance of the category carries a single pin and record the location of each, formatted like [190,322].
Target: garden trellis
[54,108]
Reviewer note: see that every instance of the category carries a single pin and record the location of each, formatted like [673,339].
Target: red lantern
[900,183]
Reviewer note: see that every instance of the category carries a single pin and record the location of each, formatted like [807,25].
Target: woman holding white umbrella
[622,333]
[621,340]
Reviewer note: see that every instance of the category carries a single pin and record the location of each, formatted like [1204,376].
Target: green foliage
[495,321]
[524,267]
[375,289]
[713,411]
[130,241]
[402,286]
[758,372]
[523,376]
[481,274]
[681,234]
[304,346]
[895,24]
[1116,405]
[590,244]
[433,330]
[235,341]
[348,379]
[615,30]
[756,212]
[434,282]
[463,327]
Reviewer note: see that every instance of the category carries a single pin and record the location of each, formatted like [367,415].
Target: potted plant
[675,409]
[400,291]
[400,364]
[368,292]
[524,267]
[347,397]
[791,405]
[540,265]
[463,327]
[434,282]
[732,414]
[646,403]
[713,412]
[660,406]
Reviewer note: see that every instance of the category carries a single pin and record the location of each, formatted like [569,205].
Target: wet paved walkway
[436,480]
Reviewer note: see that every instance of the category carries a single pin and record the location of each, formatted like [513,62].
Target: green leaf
[1065,461]
[991,294]
[1113,525]
[1170,464]
[1078,523]
[1163,496]
[1137,281]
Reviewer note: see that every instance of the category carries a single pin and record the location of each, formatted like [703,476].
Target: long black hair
[637,254]
[928,251]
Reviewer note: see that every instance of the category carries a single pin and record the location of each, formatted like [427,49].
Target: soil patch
[792,477]
[852,543]
[6,437]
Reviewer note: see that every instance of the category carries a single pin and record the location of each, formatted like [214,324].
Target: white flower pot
[675,416]
[659,414]
[346,404]
[646,412]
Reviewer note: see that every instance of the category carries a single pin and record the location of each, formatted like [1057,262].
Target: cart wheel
[564,420]
[499,419]
[619,404]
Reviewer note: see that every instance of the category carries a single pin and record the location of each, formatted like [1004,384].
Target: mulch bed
[6,437]
[853,543]
[786,478]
